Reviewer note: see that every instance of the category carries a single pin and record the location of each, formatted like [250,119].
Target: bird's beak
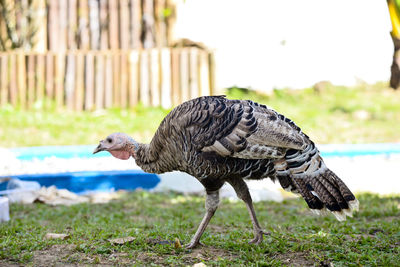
[99,148]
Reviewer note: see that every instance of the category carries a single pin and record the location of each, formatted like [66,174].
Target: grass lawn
[371,238]
[332,114]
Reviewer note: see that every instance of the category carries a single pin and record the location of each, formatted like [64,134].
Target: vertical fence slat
[166,93]
[62,24]
[40,77]
[124,23]
[144,78]
[70,80]
[136,24]
[59,81]
[99,90]
[184,77]
[84,24]
[4,79]
[13,79]
[72,24]
[21,79]
[193,73]
[103,25]
[108,82]
[31,80]
[159,9]
[89,81]
[211,72]
[124,70]
[113,24]
[41,24]
[49,75]
[79,91]
[116,79]
[133,78]
[53,24]
[148,23]
[170,21]
[94,24]
[204,74]
[175,83]
[154,77]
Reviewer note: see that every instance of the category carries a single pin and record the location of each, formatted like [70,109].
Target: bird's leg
[243,193]
[212,202]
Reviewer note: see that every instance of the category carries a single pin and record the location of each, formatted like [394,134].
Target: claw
[193,245]
[190,245]
[258,238]
[266,233]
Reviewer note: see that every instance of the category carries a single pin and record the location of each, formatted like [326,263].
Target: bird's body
[218,140]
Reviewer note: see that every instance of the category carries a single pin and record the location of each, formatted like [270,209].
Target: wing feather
[242,129]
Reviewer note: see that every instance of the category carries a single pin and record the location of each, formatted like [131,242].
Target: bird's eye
[109,140]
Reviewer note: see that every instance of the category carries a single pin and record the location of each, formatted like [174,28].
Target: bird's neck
[148,160]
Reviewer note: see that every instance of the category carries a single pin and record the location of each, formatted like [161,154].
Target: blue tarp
[79,182]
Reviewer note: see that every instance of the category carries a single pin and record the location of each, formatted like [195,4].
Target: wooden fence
[100,79]
[109,24]
[62,25]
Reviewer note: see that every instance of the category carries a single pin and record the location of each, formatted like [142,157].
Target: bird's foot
[193,244]
[258,237]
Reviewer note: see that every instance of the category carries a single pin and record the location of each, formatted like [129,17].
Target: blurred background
[276,44]
[73,71]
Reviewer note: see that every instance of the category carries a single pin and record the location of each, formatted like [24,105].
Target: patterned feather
[216,139]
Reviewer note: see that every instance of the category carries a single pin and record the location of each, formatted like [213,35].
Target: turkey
[219,140]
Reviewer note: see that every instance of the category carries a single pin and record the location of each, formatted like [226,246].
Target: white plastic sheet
[4,209]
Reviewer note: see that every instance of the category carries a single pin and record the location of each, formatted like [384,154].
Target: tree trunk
[395,68]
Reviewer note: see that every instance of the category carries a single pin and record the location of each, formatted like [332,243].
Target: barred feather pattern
[215,139]
[305,173]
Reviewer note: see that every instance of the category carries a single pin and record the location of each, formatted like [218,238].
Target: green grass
[50,127]
[333,114]
[371,238]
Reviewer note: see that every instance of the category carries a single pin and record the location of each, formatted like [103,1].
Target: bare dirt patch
[202,254]
[298,259]
[208,254]
[8,264]
[67,255]
[58,255]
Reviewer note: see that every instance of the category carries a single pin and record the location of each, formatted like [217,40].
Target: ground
[155,220]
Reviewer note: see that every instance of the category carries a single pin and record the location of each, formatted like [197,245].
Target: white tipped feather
[340,215]
[324,211]
[348,212]
[354,205]
[315,211]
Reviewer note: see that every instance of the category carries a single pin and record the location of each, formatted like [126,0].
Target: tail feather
[305,173]
[313,201]
[334,194]
[324,194]
[347,194]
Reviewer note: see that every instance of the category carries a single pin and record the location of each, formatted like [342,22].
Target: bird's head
[120,145]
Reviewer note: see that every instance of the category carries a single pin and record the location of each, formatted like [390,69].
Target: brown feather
[216,139]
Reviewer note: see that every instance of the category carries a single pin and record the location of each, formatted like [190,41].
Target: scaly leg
[243,193]
[212,202]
